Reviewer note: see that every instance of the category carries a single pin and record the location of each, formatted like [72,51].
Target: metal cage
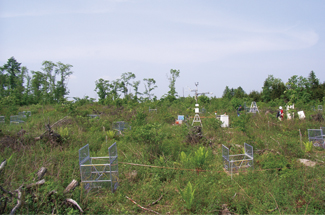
[121,126]
[235,163]
[16,119]
[99,172]
[25,114]
[316,136]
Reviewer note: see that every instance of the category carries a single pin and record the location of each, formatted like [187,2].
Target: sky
[216,43]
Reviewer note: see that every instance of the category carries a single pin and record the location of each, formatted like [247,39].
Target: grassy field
[161,168]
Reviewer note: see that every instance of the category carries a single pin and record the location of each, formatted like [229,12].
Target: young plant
[188,195]
[308,146]
[110,134]
[200,157]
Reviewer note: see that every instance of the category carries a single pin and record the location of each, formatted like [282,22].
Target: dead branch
[3,164]
[146,209]
[155,201]
[73,202]
[19,202]
[277,206]
[51,193]
[49,128]
[41,172]
[71,186]
[36,184]
[8,192]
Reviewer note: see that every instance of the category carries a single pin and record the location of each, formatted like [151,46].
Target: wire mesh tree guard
[320,107]
[235,163]
[99,172]
[316,136]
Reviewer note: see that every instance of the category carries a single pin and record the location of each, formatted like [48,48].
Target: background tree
[102,89]
[149,86]
[228,93]
[125,82]
[172,80]
[136,90]
[64,71]
[49,86]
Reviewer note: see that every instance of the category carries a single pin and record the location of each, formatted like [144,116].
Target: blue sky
[216,43]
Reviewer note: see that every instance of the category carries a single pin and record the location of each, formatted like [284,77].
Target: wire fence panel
[316,136]
[121,126]
[25,114]
[225,157]
[16,119]
[113,160]
[249,150]
[323,131]
[320,107]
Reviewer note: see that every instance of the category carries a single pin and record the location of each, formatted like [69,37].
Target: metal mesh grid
[121,126]
[2,119]
[93,116]
[16,119]
[320,107]
[233,163]
[316,136]
[25,114]
[113,160]
[323,131]
[97,171]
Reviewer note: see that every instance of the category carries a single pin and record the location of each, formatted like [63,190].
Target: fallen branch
[71,186]
[155,201]
[8,192]
[277,206]
[49,128]
[73,202]
[146,209]
[36,184]
[3,164]
[19,202]
[41,172]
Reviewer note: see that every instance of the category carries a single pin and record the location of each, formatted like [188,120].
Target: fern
[188,195]
[308,146]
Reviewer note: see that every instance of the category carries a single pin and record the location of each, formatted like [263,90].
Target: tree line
[296,88]
[18,86]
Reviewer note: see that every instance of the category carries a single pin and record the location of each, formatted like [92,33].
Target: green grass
[278,183]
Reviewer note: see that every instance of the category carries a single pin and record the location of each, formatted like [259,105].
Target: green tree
[273,88]
[102,89]
[49,86]
[64,71]
[149,86]
[228,93]
[172,80]
[136,90]
[125,82]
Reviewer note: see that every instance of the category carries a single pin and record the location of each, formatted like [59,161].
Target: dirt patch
[10,142]
[318,117]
